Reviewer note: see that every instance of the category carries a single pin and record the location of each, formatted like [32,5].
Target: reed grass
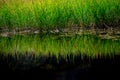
[89,45]
[59,13]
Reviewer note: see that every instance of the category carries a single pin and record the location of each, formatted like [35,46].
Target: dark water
[86,69]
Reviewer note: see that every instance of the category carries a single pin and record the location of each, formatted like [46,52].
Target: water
[100,68]
[49,68]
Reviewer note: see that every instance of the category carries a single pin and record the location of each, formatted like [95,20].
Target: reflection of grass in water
[58,13]
[48,44]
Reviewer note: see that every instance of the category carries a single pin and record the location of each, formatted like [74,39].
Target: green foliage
[58,13]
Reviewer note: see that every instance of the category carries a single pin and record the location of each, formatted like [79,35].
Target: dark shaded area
[50,68]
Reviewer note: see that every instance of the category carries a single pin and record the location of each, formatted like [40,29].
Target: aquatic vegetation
[59,13]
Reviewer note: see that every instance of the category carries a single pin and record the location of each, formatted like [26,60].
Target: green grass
[89,45]
[58,13]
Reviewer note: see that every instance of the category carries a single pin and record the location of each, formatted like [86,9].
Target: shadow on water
[50,69]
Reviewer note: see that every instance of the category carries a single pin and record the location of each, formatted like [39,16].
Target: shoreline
[111,33]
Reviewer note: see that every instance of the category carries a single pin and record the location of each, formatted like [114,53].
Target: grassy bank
[89,45]
[59,13]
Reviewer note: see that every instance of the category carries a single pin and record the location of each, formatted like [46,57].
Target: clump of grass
[59,13]
[48,44]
